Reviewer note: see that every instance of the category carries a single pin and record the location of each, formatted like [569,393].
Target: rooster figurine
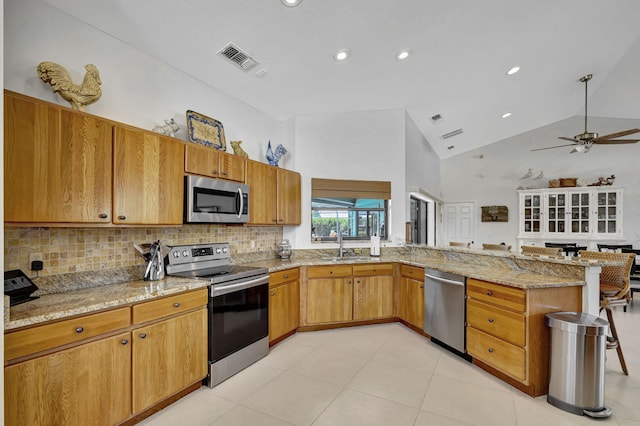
[78,95]
[273,157]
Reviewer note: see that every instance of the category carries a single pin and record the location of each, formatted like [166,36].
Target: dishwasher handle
[444,280]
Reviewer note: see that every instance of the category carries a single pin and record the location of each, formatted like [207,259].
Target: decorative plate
[205,130]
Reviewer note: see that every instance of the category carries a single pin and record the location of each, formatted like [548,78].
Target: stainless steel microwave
[209,200]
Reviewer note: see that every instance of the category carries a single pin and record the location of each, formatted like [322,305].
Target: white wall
[357,145]
[137,89]
[422,164]
[493,180]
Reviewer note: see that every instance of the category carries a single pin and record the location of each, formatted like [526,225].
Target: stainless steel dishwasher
[445,309]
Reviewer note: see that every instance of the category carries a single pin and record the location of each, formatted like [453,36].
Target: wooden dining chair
[458,244]
[614,291]
[501,247]
[541,251]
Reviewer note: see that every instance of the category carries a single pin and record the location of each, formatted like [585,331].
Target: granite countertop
[77,302]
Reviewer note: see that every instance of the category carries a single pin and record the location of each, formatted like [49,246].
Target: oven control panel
[198,253]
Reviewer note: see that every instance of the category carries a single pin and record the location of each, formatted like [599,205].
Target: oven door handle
[221,290]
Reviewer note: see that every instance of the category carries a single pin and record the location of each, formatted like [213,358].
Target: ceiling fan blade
[617,135]
[551,147]
[568,139]
[615,141]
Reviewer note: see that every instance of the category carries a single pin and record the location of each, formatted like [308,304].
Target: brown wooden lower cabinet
[167,357]
[67,373]
[87,384]
[284,303]
[411,295]
[506,331]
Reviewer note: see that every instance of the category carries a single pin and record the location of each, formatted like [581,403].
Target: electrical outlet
[35,257]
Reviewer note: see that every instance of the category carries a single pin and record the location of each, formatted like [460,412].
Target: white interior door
[459,222]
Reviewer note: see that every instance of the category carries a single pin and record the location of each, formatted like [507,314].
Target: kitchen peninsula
[383,291]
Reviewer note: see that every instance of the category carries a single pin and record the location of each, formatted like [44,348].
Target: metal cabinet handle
[224,173]
[489,293]
[176,305]
[331,272]
[122,217]
[286,276]
[349,282]
[490,319]
[103,216]
[143,335]
[422,286]
[273,293]
[490,350]
[215,172]
[79,329]
[358,282]
[124,341]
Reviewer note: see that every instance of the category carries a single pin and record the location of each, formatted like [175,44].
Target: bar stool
[500,247]
[541,251]
[614,291]
[457,244]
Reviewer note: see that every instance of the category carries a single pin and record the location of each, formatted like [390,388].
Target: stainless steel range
[238,306]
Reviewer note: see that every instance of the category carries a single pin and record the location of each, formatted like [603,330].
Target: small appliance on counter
[375,246]
[18,287]
[152,253]
[284,250]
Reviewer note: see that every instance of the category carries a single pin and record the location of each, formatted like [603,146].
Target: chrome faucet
[339,239]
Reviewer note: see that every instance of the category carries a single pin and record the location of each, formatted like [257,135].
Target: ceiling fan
[585,141]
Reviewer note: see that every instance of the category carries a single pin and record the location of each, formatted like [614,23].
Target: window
[355,209]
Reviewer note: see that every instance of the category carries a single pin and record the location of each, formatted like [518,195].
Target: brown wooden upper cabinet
[207,161]
[57,164]
[275,195]
[64,167]
[147,178]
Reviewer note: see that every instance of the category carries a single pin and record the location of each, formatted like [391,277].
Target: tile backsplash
[68,250]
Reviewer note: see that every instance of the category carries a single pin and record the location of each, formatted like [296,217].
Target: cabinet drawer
[329,271]
[159,308]
[372,269]
[412,272]
[48,336]
[507,297]
[507,325]
[280,277]
[504,356]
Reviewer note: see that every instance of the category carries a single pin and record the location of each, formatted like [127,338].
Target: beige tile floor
[388,375]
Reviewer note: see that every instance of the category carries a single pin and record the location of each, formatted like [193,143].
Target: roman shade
[338,188]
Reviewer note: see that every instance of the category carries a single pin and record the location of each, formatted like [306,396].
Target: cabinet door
[329,300]
[284,309]
[580,219]
[530,214]
[412,301]
[88,384]
[557,211]
[199,160]
[609,213]
[167,357]
[57,164]
[262,179]
[373,297]
[147,184]
[232,167]
[289,198]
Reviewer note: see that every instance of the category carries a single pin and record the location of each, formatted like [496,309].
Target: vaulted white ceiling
[461,52]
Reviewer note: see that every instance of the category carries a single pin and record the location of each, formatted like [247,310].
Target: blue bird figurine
[274,157]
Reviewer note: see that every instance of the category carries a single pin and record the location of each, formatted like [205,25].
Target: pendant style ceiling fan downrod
[585,80]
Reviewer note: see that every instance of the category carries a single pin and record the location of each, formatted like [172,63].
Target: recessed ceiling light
[403,54]
[291,3]
[513,70]
[341,55]
[506,114]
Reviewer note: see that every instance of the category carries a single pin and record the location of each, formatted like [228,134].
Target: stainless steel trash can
[578,344]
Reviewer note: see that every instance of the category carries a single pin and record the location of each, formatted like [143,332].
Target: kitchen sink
[346,259]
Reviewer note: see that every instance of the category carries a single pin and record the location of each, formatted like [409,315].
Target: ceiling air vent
[436,118]
[451,134]
[238,57]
